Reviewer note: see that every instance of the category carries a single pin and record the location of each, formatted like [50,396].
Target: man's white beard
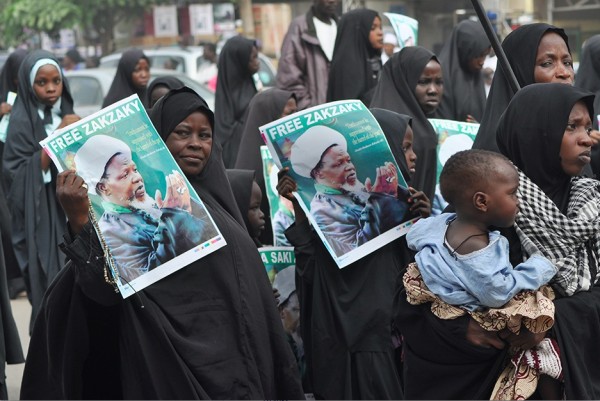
[148,205]
[356,187]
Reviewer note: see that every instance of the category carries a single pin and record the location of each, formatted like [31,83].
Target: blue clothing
[484,278]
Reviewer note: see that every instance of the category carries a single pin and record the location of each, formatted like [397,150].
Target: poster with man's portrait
[349,183]
[406,29]
[148,217]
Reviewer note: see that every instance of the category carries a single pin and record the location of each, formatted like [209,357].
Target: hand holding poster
[123,160]
[348,182]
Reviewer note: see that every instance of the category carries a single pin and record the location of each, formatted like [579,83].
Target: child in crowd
[464,264]
[248,196]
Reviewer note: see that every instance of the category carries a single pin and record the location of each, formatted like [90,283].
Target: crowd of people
[497,297]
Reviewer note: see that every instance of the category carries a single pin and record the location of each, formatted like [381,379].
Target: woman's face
[376,34]
[553,62]
[158,92]
[141,74]
[190,143]
[48,85]
[576,146]
[409,153]
[476,63]
[430,87]
[290,107]
[253,63]
[336,169]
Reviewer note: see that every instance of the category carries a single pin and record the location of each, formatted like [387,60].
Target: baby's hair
[468,171]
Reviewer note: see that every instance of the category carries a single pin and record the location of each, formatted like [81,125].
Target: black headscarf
[265,107]
[521,47]
[38,221]
[355,64]
[167,81]
[235,90]
[9,73]
[122,85]
[241,185]
[464,90]
[532,139]
[396,91]
[394,127]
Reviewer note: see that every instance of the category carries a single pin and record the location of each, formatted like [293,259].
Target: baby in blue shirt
[460,260]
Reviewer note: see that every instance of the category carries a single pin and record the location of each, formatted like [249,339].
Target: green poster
[277,258]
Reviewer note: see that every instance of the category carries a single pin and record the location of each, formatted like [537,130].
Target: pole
[504,64]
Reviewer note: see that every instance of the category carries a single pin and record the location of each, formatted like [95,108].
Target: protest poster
[277,258]
[281,209]
[406,28]
[453,136]
[349,183]
[124,162]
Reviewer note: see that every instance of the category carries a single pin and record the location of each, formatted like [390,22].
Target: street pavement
[21,312]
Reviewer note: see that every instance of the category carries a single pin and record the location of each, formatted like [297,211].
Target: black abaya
[265,107]
[38,222]
[122,85]
[209,330]
[521,47]
[396,91]
[235,90]
[464,90]
[355,65]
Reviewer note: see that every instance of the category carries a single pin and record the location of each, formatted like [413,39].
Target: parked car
[90,86]
[187,60]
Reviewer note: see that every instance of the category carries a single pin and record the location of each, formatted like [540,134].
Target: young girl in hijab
[9,78]
[265,107]
[132,76]
[462,60]
[160,86]
[536,53]
[588,78]
[248,197]
[238,61]
[208,331]
[346,313]
[43,105]
[356,61]
[412,83]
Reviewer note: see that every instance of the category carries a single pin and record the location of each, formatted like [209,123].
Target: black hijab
[235,90]
[396,91]
[38,221]
[394,127]
[464,90]
[241,185]
[355,64]
[265,107]
[541,128]
[167,81]
[122,85]
[10,71]
[521,47]
[588,74]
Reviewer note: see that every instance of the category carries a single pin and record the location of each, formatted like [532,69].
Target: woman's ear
[480,201]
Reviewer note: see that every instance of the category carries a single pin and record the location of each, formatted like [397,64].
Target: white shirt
[326,34]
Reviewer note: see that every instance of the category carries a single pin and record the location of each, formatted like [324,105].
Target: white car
[187,60]
[90,86]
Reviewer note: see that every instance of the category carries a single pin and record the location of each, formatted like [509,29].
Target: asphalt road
[21,312]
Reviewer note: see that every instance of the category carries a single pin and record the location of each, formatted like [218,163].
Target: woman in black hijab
[160,86]
[265,107]
[522,48]
[133,73]
[410,70]
[588,78]
[208,331]
[37,221]
[238,61]
[557,219]
[356,61]
[9,77]
[462,60]
[346,314]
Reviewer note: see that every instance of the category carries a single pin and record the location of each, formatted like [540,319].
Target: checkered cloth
[571,242]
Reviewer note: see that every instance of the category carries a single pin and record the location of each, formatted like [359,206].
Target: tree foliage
[21,17]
